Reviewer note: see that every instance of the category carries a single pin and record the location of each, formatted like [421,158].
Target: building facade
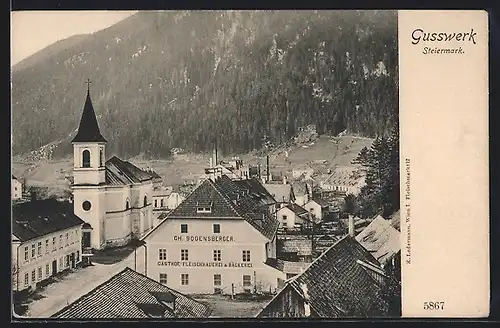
[113,196]
[291,216]
[211,243]
[46,239]
[319,208]
[17,188]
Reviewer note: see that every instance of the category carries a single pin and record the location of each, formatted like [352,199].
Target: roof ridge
[226,198]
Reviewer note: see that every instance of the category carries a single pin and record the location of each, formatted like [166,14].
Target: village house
[114,196]
[294,247]
[343,179]
[318,208]
[46,239]
[281,192]
[292,216]
[216,241]
[165,199]
[345,281]
[131,295]
[17,188]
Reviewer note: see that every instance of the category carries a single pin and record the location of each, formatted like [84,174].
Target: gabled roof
[120,172]
[130,295]
[258,191]
[88,130]
[297,209]
[340,283]
[227,200]
[320,202]
[380,239]
[283,193]
[37,218]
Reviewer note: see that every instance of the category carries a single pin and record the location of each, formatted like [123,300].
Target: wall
[17,189]
[48,255]
[238,236]
[288,304]
[315,209]
[117,228]
[95,216]
[290,218]
[94,174]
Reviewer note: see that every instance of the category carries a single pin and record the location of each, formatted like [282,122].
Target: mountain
[48,52]
[163,80]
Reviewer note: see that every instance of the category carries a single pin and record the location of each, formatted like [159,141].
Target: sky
[32,31]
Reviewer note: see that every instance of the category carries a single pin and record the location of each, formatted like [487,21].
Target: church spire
[88,131]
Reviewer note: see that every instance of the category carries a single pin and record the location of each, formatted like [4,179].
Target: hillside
[182,79]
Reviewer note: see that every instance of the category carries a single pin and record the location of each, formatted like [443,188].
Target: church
[114,197]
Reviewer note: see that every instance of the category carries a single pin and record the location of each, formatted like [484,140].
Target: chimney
[33,195]
[267,171]
[350,224]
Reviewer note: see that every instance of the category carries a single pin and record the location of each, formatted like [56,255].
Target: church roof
[120,172]
[88,130]
[37,218]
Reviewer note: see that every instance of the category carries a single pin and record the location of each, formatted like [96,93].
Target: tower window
[145,201]
[101,158]
[86,205]
[86,158]
[127,205]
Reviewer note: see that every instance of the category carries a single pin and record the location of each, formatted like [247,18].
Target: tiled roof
[340,283]
[297,209]
[131,295]
[88,130]
[257,190]
[227,199]
[292,267]
[120,172]
[281,192]
[302,245]
[41,217]
[321,202]
[380,239]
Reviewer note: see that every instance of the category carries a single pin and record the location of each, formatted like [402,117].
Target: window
[47,270]
[216,228]
[33,278]
[205,209]
[247,281]
[163,278]
[184,254]
[46,246]
[162,254]
[67,239]
[284,218]
[60,263]
[217,280]
[156,202]
[26,253]
[39,273]
[66,262]
[26,279]
[101,158]
[77,256]
[246,256]
[86,158]
[86,206]
[60,241]
[54,244]
[39,248]
[127,205]
[217,255]
[184,279]
[161,202]
[184,228]
[145,201]
[32,250]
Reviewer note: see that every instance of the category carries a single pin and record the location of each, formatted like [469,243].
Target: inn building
[217,240]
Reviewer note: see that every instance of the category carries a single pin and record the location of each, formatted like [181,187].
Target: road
[56,296]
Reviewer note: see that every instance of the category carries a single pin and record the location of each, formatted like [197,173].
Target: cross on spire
[88,85]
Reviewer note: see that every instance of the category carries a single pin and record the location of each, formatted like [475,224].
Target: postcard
[249,164]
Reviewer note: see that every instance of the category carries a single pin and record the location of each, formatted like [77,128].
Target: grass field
[338,151]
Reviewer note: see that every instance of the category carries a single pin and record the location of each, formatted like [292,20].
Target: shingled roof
[131,295]
[120,172]
[38,218]
[297,209]
[380,239]
[345,281]
[228,200]
[283,193]
[88,130]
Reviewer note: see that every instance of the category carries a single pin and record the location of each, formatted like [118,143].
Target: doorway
[54,267]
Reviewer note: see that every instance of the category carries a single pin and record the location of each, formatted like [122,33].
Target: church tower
[89,173]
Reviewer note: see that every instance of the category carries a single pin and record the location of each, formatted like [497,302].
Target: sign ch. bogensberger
[212,238]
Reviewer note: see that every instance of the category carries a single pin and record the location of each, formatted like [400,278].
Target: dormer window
[207,209]
[86,158]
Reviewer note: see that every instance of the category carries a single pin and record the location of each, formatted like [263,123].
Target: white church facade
[113,196]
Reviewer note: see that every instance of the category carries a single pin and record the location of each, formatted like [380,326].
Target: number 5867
[433,305]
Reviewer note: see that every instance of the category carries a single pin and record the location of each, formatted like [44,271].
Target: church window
[101,158]
[145,201]
[127,205]
[86,205]
[86,158]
